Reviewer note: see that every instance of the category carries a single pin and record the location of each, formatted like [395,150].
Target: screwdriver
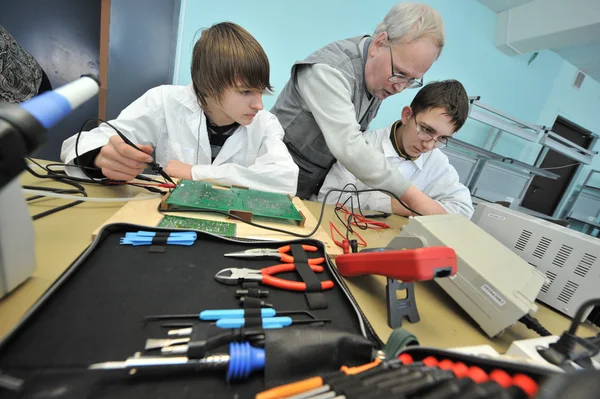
[241,360]
[230,314]
[213,314]
[268,322]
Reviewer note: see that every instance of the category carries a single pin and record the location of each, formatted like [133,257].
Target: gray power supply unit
[493,285]
[570,260]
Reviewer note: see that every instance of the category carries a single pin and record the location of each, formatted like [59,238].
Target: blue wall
[290,30]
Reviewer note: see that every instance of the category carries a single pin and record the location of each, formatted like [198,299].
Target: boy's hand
[120,161]
[179,169]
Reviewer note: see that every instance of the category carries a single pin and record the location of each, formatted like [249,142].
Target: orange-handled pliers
[279,253]
[234,276]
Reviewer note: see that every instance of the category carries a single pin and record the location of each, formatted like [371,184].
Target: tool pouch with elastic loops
[294,353]
[315,298]
[159,242]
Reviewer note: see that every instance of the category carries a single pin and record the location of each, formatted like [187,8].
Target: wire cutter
[279,253]
[232,276]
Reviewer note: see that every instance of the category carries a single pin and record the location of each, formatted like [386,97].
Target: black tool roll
[95,313]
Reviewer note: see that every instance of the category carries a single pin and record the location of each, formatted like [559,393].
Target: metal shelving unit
[586,204]
[493,177]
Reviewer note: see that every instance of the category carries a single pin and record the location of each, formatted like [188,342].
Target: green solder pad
[201,195]
[209,226]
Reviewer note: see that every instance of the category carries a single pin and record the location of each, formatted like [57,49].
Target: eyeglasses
[426,134]
[398,78]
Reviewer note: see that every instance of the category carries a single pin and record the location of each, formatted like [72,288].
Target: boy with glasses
[411,146]
[334,94]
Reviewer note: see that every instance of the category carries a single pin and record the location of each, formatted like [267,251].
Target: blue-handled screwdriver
[268,322]
[216,314]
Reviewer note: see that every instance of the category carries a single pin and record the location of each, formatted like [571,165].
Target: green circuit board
[201,195]
[210,226]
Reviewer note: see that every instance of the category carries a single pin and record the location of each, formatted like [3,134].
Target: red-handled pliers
[279,253]
[233,276]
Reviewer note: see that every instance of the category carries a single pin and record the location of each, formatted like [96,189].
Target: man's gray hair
[407,22]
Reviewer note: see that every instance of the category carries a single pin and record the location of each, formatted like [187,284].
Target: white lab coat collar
[390,152]
[190,102]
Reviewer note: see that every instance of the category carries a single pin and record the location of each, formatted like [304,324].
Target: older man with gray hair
[333,95]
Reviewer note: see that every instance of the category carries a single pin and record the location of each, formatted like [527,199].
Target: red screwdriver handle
[407,265]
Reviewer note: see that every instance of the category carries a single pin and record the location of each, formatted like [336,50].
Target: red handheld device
[407,265]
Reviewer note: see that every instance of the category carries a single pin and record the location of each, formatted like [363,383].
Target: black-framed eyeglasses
[398,78]
[426,134]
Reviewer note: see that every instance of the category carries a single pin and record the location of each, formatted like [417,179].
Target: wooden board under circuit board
[202,195]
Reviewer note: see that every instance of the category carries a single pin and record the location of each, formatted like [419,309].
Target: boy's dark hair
[226,55]
[448,94]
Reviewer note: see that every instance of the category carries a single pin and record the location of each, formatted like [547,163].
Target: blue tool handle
[149,239]
[138,243]
[232,314]
[267,322]
[244,359]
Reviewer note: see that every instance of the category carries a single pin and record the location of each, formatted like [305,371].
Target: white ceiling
[585,57]
[501,5]
[584,54]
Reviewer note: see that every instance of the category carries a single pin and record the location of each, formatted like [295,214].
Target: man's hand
[179,169]
[120,161]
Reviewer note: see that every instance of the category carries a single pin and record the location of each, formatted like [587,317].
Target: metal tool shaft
[216,362]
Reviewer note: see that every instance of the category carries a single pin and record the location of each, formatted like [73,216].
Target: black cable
[72,181]
[339,206]
[57,209]
[77,157]
[58,191]
[146,178]
[579,315]
[382,215]
[149,188]
[66,165]
[62,173]
[54,190]
[533,324]
[569,347]
[59,177]
[103,182]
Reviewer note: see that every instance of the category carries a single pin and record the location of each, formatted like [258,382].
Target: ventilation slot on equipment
[562,256]
[579,77]
[551,276]
[523,239]
[532,264]
[585,264]
[541,248]
[567,292]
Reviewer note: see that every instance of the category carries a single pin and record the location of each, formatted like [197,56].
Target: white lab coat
[170,119]
[430,173]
